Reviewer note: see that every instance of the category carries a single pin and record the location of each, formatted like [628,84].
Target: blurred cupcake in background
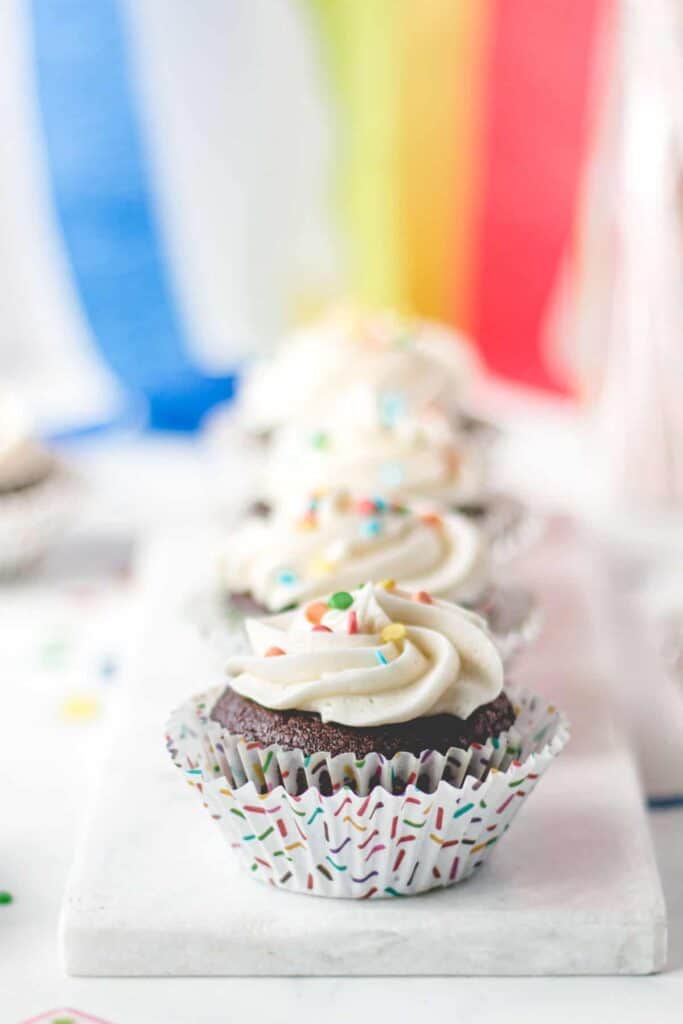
[336,540]
[389,707]
[396,455]
[36,491]
[404,362]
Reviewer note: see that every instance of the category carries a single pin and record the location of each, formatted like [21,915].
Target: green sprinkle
[6,897]
[319,440]
[341,600]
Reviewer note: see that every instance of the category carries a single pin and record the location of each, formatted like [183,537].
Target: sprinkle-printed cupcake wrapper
[31,518]
[360,829]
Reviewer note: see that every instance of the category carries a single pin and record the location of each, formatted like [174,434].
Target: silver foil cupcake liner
[364,828]
[514,617]
[509,525]
[32,517]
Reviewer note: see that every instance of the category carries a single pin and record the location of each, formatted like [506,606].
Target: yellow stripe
[442,89]
[360,44]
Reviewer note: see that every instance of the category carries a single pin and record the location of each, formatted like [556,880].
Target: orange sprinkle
[272,652]
[315,612]
[431,519]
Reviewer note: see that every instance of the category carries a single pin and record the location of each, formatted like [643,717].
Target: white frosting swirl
[413,459]
[23,460]
[406,363]
[338,541]
[444,663]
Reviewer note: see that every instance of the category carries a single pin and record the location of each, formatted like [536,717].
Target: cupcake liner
[509,525]
[32,517]
[514,617]
[369,828]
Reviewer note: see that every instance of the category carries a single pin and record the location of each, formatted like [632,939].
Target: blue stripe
[664,803]
[104,207]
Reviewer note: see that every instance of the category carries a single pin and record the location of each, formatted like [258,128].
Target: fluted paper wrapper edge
[364,828]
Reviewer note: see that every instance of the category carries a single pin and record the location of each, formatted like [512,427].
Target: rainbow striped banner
[464,127]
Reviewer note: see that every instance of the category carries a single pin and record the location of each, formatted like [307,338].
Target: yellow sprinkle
[394,631]
[387,584]
[306,523]
[80,707]
[321,567]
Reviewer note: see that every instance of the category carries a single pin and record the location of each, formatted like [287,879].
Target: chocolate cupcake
[36,492]
[389,702]
[335,539]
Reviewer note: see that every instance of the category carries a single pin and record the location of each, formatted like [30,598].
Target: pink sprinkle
[321,629]
[274,652]
[366,507]
[352,622]
[423,597]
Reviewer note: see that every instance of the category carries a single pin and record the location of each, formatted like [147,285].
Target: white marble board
[572,890]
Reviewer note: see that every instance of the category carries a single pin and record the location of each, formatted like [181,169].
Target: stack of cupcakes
[367,743]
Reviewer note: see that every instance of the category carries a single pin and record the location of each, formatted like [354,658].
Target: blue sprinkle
[391,408]
[380,504]
[287,577]
[380,658]
[370,527]
[391,474]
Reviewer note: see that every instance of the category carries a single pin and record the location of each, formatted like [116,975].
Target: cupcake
[337,539]
[366,746]
[405,362]
[35,491]
[405,458]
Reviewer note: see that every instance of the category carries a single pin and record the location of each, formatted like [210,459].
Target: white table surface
[61,634]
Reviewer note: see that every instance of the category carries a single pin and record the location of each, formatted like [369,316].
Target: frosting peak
[371,657]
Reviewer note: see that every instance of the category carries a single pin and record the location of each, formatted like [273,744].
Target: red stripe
[534,139]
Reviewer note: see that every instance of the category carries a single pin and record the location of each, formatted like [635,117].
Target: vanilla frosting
[380,656]
[338,540]
[406,364]
[23,460]
[414,458]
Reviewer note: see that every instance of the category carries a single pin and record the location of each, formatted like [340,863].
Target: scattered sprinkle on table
[319,440]
[80,707]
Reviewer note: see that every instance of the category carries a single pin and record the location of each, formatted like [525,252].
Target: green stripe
[463,810]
